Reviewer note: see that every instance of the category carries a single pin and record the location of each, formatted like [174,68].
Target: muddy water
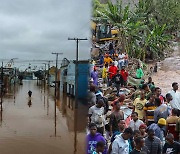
[31,126]
[168,72]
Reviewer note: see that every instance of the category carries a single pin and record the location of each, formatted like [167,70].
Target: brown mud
[168,71]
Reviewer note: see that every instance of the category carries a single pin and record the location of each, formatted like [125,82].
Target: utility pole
[44,74]
[2,85]
[76,68]
[57,54]
[14,83]
[14,76]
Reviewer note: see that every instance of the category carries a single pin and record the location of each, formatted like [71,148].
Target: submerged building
[67,78]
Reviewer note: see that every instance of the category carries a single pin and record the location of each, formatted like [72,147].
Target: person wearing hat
[159,128]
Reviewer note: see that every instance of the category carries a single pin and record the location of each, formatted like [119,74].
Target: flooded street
[30,126]
[39,125]
[169,72]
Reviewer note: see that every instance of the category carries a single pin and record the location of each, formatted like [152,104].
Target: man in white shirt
[96,115]
[175,103]
[121,145]
[135,122]
[121,59]
[116,62]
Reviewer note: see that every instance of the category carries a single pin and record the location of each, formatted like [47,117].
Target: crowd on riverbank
[127,113]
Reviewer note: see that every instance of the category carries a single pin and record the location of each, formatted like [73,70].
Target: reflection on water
[39,124]
[29,102]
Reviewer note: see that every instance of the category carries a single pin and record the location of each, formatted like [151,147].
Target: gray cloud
[33,29]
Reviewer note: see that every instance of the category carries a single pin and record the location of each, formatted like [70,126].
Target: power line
[76,67]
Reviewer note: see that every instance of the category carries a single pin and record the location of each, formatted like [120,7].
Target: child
[93,138]
[99,148]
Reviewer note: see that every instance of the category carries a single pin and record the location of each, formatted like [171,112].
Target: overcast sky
[32,29]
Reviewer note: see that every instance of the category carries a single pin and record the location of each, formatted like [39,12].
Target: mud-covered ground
[168,71]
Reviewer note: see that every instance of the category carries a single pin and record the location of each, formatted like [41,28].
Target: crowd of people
[153,124]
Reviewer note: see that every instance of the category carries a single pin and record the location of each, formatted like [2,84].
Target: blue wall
[83,75]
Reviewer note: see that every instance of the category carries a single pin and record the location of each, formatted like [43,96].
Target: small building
[63,75]
[67,80]
[7,78]
[52,74]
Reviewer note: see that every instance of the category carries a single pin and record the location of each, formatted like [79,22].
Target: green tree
[140,34]
[168,12]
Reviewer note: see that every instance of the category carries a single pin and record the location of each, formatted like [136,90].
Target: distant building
[9,77]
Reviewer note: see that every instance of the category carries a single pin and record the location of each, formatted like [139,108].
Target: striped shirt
[149,108]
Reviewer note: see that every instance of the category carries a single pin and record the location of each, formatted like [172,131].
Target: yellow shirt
[139,107]
[107,60]
[104,72]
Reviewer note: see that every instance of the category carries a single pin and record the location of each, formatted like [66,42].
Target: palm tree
[139,31]
[117,16]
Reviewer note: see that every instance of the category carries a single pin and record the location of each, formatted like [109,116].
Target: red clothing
[162,99]
[124,75]
[171,129]
[112,71]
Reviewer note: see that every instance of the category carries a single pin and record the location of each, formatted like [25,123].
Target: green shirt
[139,73]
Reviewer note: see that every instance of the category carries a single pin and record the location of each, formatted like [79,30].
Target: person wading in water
[30,93]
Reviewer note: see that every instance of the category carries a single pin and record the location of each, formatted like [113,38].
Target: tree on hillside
[139,32]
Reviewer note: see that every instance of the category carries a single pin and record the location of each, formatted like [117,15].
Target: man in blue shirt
[159,128]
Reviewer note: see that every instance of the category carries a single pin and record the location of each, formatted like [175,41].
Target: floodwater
[30,126]
[168,72]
